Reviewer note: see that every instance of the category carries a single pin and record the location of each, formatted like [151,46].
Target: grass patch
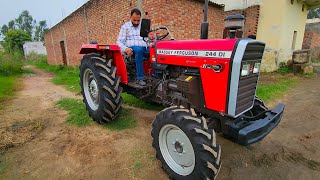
[8,87]
[10,70]
[65,75]
[77,111]
[125,120]
[274,90]
[11,64]
[284,70]
[78,115]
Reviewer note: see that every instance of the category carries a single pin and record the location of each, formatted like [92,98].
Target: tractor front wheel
[185,146]
[100,87]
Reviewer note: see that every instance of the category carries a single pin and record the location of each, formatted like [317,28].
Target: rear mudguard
[111,51]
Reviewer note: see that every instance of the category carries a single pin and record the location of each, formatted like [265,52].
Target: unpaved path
[40,145]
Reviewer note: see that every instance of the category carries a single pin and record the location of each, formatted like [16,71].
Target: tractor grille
[248,84]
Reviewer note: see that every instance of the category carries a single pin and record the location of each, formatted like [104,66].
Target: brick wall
[252,19]
[101,20]
[312,41]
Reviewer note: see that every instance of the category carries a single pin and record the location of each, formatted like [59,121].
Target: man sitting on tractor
[132,43]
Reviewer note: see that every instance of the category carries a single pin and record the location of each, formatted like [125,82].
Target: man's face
[135,19]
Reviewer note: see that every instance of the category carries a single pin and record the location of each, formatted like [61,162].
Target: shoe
[141,82]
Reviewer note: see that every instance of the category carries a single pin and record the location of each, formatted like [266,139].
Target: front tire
[185,146]
[100,88]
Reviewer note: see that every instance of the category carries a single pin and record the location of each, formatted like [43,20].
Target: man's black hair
[135,11]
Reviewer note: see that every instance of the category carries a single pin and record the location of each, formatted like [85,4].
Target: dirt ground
[37,143]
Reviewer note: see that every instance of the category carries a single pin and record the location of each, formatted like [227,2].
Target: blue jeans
[139,54]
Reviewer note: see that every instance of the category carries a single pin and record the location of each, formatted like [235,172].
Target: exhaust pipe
[205,24]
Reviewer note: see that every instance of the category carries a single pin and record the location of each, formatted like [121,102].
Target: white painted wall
[35,47]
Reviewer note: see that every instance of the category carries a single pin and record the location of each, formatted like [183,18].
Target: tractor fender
[112,51]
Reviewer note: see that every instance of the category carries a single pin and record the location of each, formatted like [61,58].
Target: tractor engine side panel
[201,54]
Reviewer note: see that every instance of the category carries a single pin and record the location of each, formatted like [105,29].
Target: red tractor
[209,87]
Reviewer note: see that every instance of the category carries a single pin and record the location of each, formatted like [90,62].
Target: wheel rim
[91,90]
[176,149]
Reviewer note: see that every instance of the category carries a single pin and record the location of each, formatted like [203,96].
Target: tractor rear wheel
[185,146]
[100,88]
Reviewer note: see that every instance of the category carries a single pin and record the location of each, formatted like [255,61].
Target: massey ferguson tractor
[208,86]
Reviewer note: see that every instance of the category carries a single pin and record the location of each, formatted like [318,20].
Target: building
[101,20]
[281,24]
[30,48]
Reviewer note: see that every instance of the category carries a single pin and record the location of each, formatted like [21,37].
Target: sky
[53,11]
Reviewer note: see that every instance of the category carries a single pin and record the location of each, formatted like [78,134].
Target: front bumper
[248,130]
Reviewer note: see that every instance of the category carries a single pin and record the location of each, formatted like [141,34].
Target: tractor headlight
[256,68]
[245,70]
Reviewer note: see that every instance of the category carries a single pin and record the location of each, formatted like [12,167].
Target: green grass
[65,75]
[8,87]
[77,112]
[78,115]
[284,70]
[11,64]
[10,70]
[275,90]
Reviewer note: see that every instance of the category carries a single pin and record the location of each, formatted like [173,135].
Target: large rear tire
[100,88]
[185,146]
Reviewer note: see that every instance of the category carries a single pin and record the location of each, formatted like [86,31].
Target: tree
[4,29]
[14,39]
[40,29]
[314,13]
[12,25]
[25,22]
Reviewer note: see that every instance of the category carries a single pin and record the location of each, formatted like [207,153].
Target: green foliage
[40,29]
[14,39]
[25,22]
[79,116]
[271,91]
[284,70]
[10,70]
[314,13]
[11,64]
[4,29]
[7,88]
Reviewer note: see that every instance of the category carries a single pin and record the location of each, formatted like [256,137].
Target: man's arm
[121,41]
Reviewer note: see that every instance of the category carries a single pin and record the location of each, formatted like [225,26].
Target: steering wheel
[163,36]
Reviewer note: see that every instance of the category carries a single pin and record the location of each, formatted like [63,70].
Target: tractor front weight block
[248,130]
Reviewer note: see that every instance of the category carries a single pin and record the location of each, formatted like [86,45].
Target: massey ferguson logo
[209,54]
